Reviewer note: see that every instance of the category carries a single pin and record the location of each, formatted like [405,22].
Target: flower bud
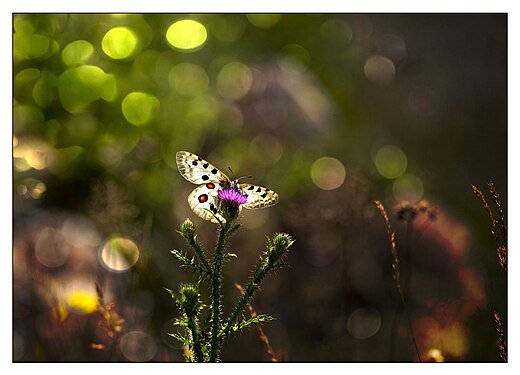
[189,299]
[278,246]
[188,228]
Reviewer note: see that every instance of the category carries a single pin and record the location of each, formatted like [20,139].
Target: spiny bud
[278,246]
[189,299]
[187,229]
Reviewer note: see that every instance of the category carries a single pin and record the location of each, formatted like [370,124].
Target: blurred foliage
[331,111]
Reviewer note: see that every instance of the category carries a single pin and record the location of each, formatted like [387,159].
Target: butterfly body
[204,200]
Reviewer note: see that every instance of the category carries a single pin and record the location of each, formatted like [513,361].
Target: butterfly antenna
[239,177]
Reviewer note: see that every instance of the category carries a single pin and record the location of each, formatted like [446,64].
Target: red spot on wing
[210,185]
[203,198]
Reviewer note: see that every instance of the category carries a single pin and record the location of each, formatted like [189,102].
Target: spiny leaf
[189,263]
[248,322]
[172,294]
[183,339]
[182,321]
[255,320]
[233,230]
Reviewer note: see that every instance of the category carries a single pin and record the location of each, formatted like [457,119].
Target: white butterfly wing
[197,170]
[258,196]
[203,201]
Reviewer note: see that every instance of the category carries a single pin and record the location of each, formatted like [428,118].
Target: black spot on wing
[205,165]
[205,177]
[250,187]
[214,171]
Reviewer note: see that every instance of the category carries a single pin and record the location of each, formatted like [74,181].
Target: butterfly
[204,201]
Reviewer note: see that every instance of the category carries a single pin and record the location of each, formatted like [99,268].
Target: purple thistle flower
[232,195]
[231,199]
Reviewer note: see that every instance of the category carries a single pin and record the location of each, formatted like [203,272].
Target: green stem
[252,287]
[197,347]
[406,268]
[409,320]
[216,287]
[192,241]
[403,293]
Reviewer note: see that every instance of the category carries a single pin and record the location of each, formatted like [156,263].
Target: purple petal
[232,195]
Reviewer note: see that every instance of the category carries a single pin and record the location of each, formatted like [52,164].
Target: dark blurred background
[331,111]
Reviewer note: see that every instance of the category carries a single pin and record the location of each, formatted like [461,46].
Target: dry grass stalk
[263,336]
[501,342]
[502,257]
[395,271]
[111,322]
[391,236]
[479,194]
[498,203]
[501,248]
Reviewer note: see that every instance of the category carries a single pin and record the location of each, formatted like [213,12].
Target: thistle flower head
[232,195]
[408,212]
[231,199]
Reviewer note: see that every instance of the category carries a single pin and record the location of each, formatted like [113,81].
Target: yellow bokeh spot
[26,79]
[408,188]
[186,34]
[83,301]
[27,44]
[328,173]
[297,52]
[435,355]
[234,80]
[43,90]
[379,69]
[33,46]
[35,154]
[22,25]
[78,87]
[202,111]
[139,107]
[90,75]
[38,190]
[264,20]
[188,79]
[77,52]
[390,161]
[119,254]
[266,148]
[31,188]
[228,29]
[119,43]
